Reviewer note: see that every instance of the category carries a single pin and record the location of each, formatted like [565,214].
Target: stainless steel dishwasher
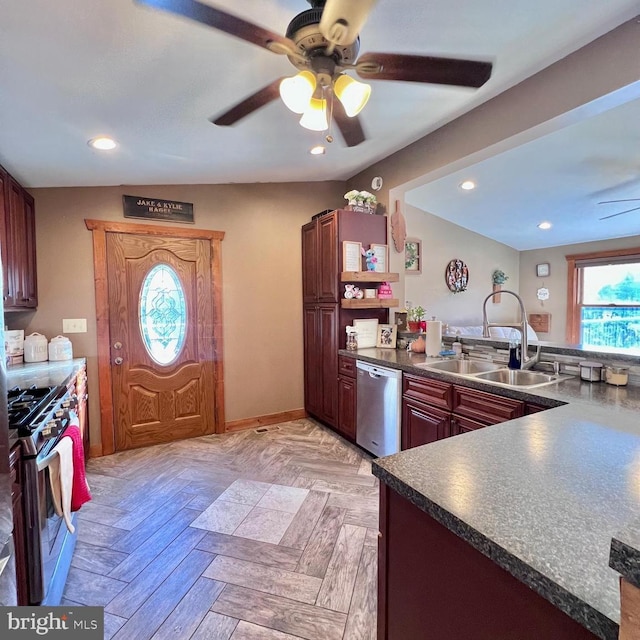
[378,400]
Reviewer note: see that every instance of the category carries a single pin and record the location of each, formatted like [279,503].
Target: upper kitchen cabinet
[320,259]
[17,245]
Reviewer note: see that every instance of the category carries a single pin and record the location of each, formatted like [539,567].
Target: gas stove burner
[24,405]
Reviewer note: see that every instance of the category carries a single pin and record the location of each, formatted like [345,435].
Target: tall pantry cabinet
[325,320]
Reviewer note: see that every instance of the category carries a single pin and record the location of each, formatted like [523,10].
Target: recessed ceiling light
[467,185]
[103,143]
[318,150]
[544,225]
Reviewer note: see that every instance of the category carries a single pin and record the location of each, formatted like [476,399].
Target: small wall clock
[543,270]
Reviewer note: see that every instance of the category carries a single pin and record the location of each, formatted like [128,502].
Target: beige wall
[557,281]
[443,241]
[261,274]
[598,76]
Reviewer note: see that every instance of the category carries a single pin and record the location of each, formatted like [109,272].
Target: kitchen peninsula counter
[541,496]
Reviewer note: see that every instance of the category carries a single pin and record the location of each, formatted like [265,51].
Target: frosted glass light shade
[353,94]
[297,91]
[315,116]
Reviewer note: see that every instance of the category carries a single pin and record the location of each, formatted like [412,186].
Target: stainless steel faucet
[526,362]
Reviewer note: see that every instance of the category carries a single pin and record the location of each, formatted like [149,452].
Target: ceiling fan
[323,43]
[613,215]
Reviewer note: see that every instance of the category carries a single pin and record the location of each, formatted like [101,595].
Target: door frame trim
[99,229]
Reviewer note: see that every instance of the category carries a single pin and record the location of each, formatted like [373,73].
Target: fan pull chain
[329,136]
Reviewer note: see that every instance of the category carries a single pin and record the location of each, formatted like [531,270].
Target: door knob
[117,345]
[118,360]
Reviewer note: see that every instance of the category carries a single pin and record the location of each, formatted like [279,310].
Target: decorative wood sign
[153,209]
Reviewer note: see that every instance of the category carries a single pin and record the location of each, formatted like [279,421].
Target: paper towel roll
[434,338]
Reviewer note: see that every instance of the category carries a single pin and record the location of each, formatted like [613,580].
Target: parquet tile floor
[251,535]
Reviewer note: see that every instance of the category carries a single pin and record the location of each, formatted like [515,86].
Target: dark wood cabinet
[4,214]
[17,245]
[426,411]
[347,407]
[432,410]
[423,424]
[434,584]
[328,397]
[19,530]
[531,407]
[347,392]
[460,424]
[320,362]
[485,408]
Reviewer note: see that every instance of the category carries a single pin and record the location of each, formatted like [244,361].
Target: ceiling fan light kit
[315,116]
[296,92]
[323,42]
[354,95]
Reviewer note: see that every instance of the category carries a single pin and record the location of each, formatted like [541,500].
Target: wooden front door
[163,336]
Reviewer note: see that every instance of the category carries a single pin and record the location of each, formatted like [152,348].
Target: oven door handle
[46,461]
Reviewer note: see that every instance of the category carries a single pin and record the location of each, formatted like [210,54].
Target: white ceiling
[73,69]
[559,178]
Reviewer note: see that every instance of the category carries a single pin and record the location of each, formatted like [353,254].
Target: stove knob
[70,403]
[51,429]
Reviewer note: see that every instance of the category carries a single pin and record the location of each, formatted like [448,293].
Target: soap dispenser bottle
[457,348]
[514,351]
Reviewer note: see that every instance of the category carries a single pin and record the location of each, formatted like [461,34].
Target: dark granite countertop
[43,374]
[541,495]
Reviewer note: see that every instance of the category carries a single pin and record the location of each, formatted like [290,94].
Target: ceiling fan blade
[350,128]
[342,20]
[223,21]
[613,215]
[627,200]
[249,105]
[410,68]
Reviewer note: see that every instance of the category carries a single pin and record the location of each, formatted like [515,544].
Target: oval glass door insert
[163,314]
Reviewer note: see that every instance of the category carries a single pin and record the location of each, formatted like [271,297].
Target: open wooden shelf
[369,303]
[369,276]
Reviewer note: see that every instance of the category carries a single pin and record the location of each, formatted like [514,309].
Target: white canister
[35,348]
[60,348]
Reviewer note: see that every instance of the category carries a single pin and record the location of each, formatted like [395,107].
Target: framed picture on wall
[351,256]
[381,253]
[413,256]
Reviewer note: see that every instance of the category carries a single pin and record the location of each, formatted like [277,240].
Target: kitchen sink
[464,367]
[493,373]
[519,377]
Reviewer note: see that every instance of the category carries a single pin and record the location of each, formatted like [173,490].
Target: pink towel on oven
[80,492]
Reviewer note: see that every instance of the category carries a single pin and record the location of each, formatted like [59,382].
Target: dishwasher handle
[376,371]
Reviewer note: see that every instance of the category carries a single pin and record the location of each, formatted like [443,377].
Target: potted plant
[415,320]
[498,277]
[362,201]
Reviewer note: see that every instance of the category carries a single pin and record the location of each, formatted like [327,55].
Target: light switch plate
[75,325]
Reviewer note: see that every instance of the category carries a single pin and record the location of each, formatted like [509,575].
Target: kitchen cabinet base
[432,584]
